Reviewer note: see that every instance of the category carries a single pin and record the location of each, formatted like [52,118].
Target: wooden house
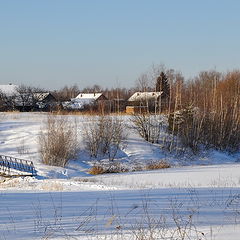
[143,102]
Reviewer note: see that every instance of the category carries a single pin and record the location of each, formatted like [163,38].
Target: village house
[143,102]
[12,99]
[45,100]
[86,101]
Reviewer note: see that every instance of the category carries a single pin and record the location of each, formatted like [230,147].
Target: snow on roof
[93,96]
[9,89]
[41,96]
[77,103]
[141,96]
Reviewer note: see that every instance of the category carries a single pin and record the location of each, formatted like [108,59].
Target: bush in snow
[104,135]
[148,126]
[57,141]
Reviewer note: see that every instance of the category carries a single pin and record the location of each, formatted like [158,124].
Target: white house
[84,99]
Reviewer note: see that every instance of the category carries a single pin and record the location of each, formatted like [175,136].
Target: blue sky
[52,43]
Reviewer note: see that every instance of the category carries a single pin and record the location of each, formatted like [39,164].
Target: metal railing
[15,166]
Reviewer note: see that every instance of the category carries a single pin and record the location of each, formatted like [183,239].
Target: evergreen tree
[162,85]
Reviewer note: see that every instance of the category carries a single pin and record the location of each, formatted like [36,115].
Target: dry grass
[77,113]
[110,168]
[11,111]
[87,113]
[137,168]
[158,165]
[95,170]
[119,168]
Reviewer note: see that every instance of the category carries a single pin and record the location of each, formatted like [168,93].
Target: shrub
[148,126]
[57,141]
[104,135]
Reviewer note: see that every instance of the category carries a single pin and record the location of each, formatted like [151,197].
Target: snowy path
[138,150]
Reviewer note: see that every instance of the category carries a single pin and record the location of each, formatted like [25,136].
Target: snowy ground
[70,204]
[85,214]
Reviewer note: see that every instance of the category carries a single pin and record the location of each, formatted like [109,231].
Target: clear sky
[52,43]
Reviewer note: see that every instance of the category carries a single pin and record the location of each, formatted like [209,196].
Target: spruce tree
[162,85]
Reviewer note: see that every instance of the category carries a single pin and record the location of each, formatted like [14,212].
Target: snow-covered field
[198,198]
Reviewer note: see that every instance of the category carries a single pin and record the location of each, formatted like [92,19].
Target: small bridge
[11,166]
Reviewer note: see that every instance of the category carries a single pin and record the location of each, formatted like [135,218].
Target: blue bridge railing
[16,166]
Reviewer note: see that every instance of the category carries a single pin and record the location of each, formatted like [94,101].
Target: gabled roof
[82,100]
[9,89]
[143,96]
[41,96]
[92,96]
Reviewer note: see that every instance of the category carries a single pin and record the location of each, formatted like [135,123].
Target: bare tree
[6,101]
[25,99]
[92,89]
[143,83]
[216,124]
[66,93]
